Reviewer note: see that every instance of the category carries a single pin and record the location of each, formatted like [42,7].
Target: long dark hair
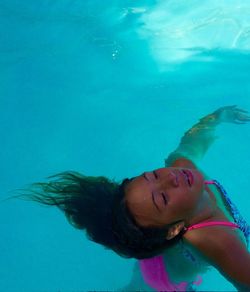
[97,205]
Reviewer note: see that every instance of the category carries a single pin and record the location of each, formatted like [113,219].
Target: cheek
[183,202]
[178,205]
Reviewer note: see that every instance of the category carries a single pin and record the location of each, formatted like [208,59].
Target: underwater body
[108,88]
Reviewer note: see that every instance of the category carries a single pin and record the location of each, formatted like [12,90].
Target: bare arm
[197,140]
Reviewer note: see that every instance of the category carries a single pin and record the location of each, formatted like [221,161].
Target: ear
[175,230]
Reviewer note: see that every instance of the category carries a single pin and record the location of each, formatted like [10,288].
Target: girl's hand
[232,114]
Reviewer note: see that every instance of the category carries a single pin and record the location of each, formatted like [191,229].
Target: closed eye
[164,198]
[155,174]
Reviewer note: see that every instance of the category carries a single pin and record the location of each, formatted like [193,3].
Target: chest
[223,211]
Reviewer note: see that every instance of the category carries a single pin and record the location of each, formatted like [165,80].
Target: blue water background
[108,88]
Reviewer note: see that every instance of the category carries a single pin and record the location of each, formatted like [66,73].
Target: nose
[173,179]
[170,180]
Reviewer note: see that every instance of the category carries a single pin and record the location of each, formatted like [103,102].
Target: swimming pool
[108,88]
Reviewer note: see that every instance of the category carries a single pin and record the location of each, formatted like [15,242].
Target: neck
[206,209]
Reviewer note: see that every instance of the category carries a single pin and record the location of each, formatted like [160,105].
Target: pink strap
[209,182]
[214,223]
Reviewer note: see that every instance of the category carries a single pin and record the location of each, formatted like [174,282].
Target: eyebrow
[153,198]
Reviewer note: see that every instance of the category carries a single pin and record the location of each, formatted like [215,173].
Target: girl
[175,220]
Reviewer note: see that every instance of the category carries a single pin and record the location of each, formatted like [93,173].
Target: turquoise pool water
[108,88]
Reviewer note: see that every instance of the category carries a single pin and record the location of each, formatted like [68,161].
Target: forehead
[138,192]
[135,188]
[138,198]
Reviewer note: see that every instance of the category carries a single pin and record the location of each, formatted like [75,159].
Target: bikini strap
[238,219]
[213,223]
[209,182]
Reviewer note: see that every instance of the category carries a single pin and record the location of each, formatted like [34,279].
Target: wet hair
[97,205]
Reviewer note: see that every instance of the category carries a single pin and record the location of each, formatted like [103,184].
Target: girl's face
[164,196]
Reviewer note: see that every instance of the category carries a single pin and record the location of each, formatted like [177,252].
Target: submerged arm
[228,255]
[196,141]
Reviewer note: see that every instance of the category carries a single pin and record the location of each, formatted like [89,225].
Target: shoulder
[225,251]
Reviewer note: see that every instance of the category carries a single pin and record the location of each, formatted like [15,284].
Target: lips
[188,176]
